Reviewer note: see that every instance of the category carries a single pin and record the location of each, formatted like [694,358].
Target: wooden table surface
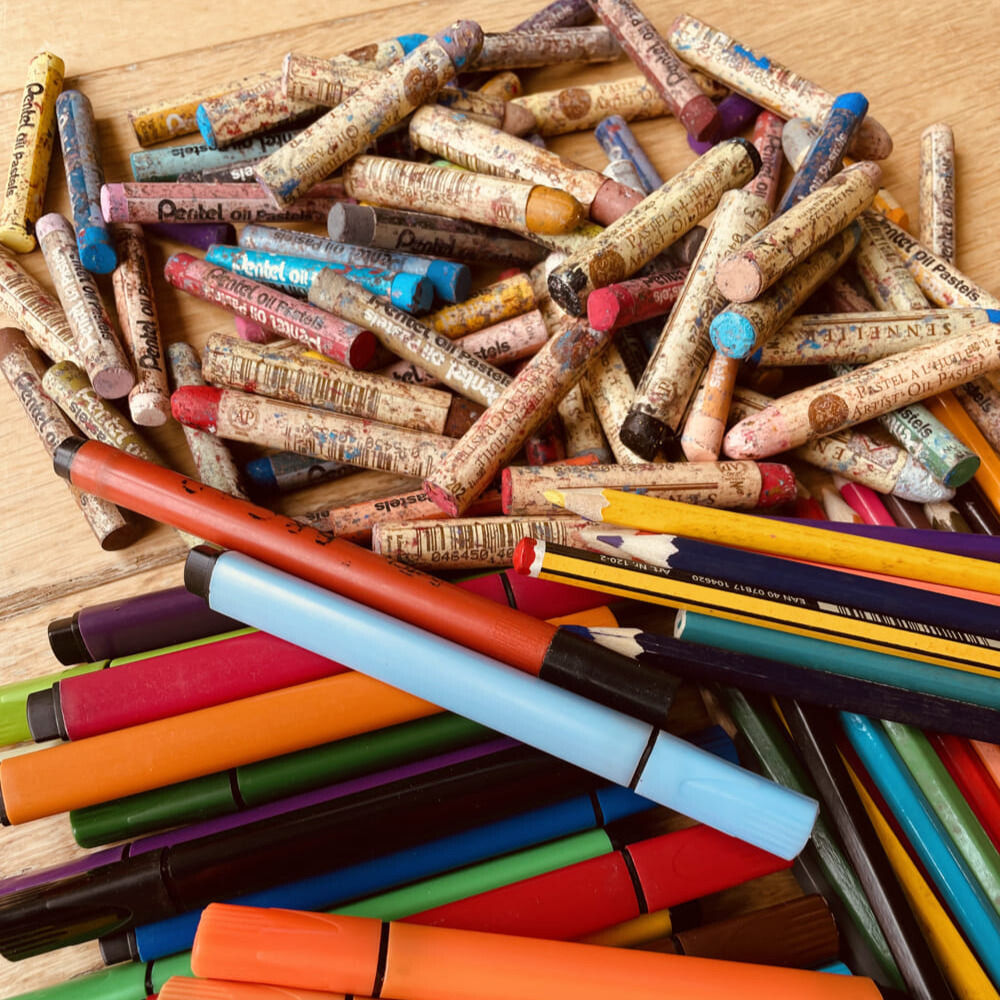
[918,62]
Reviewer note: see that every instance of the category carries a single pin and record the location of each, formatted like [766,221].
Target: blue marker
[969,905]
[608,743]
[84,177]
[295,275]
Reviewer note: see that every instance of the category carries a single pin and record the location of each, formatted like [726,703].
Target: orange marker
[369,957]
[112,765]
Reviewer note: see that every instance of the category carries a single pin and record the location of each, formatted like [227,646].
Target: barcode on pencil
[907,625]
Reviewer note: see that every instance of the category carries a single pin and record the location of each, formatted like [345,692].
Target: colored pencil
[954,956]
[715,596]
[893,603]
[944,798]
[968,903]
[731,528]
[704,664]
[813,732]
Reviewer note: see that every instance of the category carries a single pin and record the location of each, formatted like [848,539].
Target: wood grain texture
[917,63]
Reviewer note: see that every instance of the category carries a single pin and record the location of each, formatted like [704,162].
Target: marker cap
[66,640]
[288,946]
[742,804]
[44,715]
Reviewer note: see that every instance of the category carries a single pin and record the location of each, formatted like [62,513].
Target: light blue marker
[295,275]
[613,745]
[964,896]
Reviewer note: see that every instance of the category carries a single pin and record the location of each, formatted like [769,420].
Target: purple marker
[135,625]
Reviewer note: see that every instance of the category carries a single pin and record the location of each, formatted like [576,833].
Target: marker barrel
[337,952]
[603,741]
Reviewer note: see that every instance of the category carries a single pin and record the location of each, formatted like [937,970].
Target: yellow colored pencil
[957,961]
[632,510]
[951,413]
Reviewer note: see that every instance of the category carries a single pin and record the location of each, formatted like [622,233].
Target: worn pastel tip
[205,127]
[612,201]
[462,41]
[113,383]
[700,118]
[52,222]
[853,102]
[196,406]
[20,239]
[565,285]
[114,204]
[962,471]
[644,434]
[605,305]
[552,212]
[917,484]
[526,554]
[506,491]
[444,499]
[777,484]
[870,142]
[149,409]
[177,266]
[354,224]
[411,292]
[744,440]
[247,329]
[98,252]
[451,281]
[518,120]
[732,334]
[736,112]
[739,278]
